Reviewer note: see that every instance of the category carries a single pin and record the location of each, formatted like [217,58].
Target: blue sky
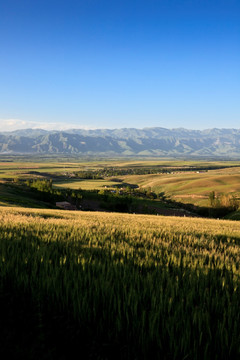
[113,63]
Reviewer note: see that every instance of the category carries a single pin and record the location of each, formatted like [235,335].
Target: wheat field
[118,285]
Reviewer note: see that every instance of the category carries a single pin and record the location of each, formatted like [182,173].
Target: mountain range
[154,141]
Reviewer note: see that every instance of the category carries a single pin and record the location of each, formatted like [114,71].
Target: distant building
[66,205]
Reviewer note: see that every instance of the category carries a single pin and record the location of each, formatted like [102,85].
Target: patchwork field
[14,166]
[177,179]
[183,186]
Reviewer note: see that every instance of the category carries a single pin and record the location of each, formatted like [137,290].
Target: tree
[212,198]
[149,191]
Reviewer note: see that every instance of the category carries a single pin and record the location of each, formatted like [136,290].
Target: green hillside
[13,195]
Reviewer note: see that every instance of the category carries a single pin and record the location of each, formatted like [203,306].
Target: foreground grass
[118,286]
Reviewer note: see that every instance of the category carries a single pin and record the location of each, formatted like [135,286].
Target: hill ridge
[153,141]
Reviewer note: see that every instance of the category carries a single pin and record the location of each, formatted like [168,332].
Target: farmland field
[186,187]
[193,187]
[85,184]
[118,286]
[174,184]
[188,182]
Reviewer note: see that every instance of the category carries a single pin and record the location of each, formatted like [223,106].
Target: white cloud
[18,124]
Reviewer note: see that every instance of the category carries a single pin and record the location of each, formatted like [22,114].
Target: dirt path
[190,196]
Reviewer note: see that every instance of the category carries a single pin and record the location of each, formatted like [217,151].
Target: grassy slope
[130,222]
[11,195]
[233,216]
[190,187]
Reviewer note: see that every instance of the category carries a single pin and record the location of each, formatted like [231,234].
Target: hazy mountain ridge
[127,141]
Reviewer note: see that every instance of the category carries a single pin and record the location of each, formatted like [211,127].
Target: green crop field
[86,184]
[119,286]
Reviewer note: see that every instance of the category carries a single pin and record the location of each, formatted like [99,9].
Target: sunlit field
[118,285]
[187,187]
[85,184]
[193,187]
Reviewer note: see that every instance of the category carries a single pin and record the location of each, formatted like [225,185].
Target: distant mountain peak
[154,141]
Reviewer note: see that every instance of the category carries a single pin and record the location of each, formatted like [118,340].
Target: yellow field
[21,168]
[139,285]
[112,222]
[85,184]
